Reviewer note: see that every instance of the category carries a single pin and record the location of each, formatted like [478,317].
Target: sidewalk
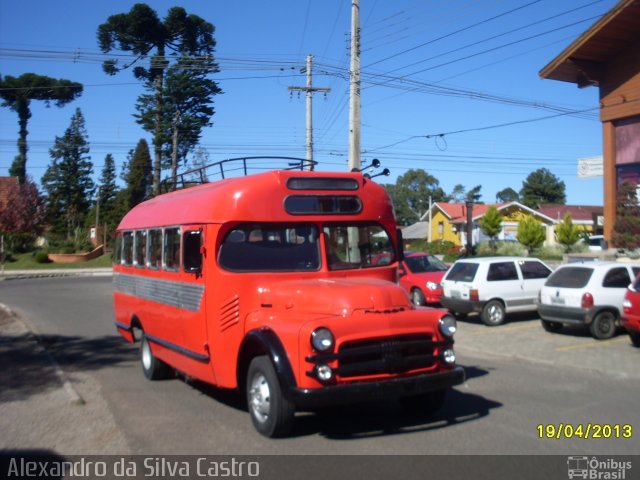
[57,272]
[41,407]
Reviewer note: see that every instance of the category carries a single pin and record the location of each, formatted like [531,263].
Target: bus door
[194,272]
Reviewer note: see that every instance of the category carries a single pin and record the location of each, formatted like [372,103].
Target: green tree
[459,194]
[531,233]
[410,195]
[507,195]
[17,93]
[67,179]
[142,33]
[138,175]
[567,233]
[626,229]
[187,108]
[107,194]
[491,225]
[542,186]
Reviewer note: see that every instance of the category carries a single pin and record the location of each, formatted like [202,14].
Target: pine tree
[491,224]
[567,233]
[67,180]
[542,186]
[139,176]
[530,233]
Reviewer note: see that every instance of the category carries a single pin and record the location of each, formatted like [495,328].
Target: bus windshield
[351,246]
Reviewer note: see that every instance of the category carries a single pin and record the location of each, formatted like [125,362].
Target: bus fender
[264,341]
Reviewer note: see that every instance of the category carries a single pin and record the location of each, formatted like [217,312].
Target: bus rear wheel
[272,414]
[153,368]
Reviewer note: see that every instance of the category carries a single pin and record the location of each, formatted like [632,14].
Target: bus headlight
[448,325]
[322,339]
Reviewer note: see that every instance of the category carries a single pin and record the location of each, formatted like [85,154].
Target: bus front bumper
[375,390]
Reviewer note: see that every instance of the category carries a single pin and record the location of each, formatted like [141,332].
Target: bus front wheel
[272,414]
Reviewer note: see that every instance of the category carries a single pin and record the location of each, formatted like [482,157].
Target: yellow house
[448,221]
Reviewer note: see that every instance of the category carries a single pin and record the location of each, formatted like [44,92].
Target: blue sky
[429,68]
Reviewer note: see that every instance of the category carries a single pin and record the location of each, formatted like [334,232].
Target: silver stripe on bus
[187,296]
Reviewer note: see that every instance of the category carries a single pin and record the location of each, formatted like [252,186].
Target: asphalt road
[509,391]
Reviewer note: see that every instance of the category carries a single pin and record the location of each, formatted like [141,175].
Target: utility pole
[310,89]
[354,88]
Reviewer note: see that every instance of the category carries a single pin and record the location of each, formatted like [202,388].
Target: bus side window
[172,249]
[140,248]
[155,249]
[191,253]
[127,248]
[117,250]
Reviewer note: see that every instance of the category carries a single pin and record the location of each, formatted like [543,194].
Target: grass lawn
[26,261]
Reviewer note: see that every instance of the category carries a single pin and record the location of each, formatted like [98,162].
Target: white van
[493,286]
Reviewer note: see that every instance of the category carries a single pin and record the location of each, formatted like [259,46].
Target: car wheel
[493,313]
[426,403]
[417,297]
[635,339]
[553,327]
[272,414]
[153,368]
[603,326]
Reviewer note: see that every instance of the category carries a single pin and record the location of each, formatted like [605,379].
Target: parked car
[493,286]
[631,312]
[590,294]
[420,274]
[596,243]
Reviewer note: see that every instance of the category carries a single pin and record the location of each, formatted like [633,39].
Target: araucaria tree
[142,33]
[137,175]
[188,98]
[17,93]
[67,180]
[542,186]
[567,233]
[530,233]
[626,229]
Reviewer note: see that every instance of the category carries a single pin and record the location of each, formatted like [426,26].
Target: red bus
[272,284]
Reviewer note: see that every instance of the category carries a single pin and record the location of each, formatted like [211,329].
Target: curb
[25,274]
[74,397]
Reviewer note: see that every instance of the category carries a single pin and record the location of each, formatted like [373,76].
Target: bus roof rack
[233,167]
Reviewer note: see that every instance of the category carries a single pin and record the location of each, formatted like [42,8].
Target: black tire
[152,367]
[417,297]
[635,339]
[272,414]
[603,326]
[493,313]
[425,404]
[552,327]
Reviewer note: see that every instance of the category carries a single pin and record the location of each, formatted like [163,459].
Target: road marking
[594,344]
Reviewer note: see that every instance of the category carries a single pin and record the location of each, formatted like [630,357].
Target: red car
[420,276]
[631,312]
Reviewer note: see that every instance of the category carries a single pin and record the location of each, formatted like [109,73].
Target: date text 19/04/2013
[584,431]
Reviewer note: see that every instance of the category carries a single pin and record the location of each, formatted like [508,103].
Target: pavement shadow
[12,460]
[29,362]
[511,318]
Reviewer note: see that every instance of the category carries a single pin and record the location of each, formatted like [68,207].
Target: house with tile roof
[448,221]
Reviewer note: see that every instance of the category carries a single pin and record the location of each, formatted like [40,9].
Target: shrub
[555,252]
[567,233]
[531,233]
[502,249]
[41,257]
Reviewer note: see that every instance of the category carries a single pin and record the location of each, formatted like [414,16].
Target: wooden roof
[582,62]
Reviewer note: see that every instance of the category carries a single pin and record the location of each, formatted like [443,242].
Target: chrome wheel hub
[260,398]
